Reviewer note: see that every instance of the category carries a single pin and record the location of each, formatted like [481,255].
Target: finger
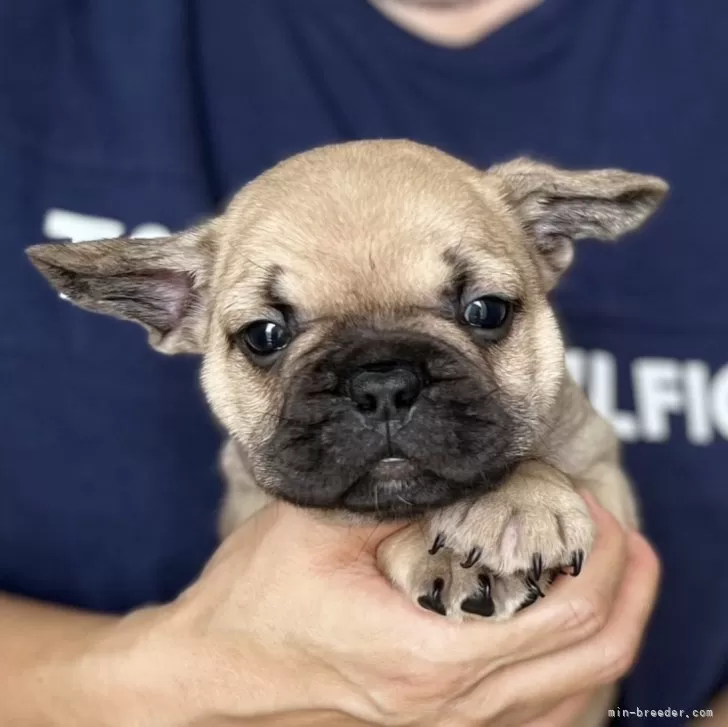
[573,610]
[565,713]
[319,532]
[600,660]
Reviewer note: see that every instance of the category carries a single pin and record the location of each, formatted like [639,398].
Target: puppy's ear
[558,206]
[161,283]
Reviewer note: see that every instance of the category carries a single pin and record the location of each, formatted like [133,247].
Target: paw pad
[432,601]
[482,603]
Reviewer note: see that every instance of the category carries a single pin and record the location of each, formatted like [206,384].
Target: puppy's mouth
[393,487]
[392,426]
[396,487]
[385,488]
[394,468]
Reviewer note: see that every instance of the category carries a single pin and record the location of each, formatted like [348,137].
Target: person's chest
[644,321]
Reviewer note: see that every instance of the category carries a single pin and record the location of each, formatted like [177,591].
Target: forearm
[42,646]
[61,667]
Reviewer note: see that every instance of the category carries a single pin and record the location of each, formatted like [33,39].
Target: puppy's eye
[488,313]
[265,338]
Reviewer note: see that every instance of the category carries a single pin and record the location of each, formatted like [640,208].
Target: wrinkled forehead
[335,249]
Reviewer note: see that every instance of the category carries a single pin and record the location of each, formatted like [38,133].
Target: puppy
[376,337]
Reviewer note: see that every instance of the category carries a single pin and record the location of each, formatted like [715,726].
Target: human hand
[291,617]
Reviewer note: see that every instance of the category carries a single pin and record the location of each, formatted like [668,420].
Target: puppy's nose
[387,392]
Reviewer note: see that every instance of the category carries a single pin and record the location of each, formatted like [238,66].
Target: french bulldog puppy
[377,339]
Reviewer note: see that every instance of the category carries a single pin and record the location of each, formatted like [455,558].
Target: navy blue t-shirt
[135,117]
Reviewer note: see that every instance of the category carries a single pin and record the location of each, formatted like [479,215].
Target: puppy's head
[372,317]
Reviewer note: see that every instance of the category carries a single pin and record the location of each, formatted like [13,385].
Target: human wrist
[138,672]
[90,670]
[39,671]
[167,666]
[243,666]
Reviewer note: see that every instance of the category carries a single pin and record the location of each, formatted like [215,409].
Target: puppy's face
[373,316]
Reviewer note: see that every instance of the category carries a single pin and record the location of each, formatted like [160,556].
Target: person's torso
[121,118]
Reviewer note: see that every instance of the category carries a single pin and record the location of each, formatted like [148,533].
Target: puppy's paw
[534,522]
[434,578]
[497,554]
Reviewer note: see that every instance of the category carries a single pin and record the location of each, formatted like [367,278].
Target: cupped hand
[291,617]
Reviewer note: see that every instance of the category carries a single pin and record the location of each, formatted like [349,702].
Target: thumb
[345,534]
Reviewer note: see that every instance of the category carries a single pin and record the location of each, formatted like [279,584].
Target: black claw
[438,544]
[473,558]
[577,561]
[534,587]
[537,566]
[482,603]
[437,587]
[433,601]
[484,584]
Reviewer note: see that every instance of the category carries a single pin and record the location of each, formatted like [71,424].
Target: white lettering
[65,225]
[696,379]
[576,365]
[657,394]
[150,230]
[719,401]
[602,391]
[662,388]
